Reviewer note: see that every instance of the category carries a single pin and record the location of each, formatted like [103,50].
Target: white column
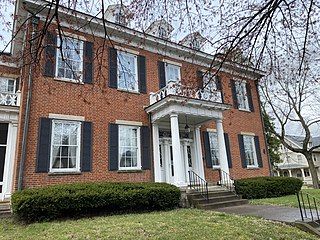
[278,173]
[198,151]
[222,147]
[166,159]
[9,160]
[290,173]
[302,172]
[178,165]
[186,162]
[156,153]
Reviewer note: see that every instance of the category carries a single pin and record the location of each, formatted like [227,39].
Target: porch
[177,114]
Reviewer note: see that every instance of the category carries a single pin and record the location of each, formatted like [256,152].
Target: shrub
[71,200]
[267,187]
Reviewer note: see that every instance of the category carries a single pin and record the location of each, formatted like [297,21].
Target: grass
[176,224]
[289,201]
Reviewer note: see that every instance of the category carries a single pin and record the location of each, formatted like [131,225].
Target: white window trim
[136,72]
[166,71]
[65,170]
[81,60]
[139,165]
[214,166]
[255,158]
[14,84]
[242,84]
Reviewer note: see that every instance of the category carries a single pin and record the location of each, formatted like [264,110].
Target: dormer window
[120,18]
[162,32]
[195,44]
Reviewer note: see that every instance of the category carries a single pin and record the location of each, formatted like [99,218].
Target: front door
[3,151]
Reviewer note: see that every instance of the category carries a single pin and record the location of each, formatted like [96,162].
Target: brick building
[133,107]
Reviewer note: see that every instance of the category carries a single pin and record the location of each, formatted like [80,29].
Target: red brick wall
[101,105]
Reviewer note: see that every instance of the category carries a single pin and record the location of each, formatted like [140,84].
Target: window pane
[127,76]
[128,150]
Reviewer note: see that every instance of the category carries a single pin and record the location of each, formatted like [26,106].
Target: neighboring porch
[177,114]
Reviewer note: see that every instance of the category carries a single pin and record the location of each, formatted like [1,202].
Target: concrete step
[216,199]
[231,203]
[221,193]
[4,207]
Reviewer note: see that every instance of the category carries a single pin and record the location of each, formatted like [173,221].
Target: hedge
[267,187]
[80,199]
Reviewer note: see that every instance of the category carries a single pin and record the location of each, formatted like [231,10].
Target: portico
[176,121]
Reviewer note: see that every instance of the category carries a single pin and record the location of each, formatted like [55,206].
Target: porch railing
[199,184]
[226,180]
[10,99]
[308,206]
[178,89]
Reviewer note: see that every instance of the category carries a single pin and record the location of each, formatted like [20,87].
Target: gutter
[34,22]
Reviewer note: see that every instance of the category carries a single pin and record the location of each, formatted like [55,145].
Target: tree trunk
[313,170]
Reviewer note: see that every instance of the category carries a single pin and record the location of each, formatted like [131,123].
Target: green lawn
[290,200]
[176,224]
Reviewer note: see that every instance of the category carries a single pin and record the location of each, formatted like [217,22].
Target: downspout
[34,22]
[264,132]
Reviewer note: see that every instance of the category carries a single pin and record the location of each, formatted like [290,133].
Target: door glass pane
[189,156]
[3,133]
[2,159]
[171,159]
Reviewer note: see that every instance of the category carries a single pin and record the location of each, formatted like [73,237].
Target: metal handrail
[226,180]
[308,206]
[199,184]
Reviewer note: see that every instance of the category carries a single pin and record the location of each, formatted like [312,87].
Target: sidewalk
[275,213]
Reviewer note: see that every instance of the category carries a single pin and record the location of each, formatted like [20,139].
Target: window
[209,83]
[172,73]
[69,64]
[242,98]
[162,32]
[214,148]
[120,18]
[314,158]
[195,44]
[250,151]
[65,146]
[129,147]
[7,85]
[127,71]
[306,173]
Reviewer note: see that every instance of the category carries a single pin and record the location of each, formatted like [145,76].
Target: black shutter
[113,147]
[249,96]
[207,150]
[258,151]
[44,145]
[242,152]
[17,84]
[142,74]
[50,54]
[234,94]
[219,87]
[145,148]
[88,62]
[227,142]
[86,147]
[200,79]
[113,70]
[162,74]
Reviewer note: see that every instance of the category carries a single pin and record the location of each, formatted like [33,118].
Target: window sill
[128,91]
[244,110]
[68,80]
[252,167]
[216,167]
[130,171]
[64,173]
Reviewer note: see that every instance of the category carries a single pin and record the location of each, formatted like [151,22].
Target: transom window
[250,151]
[70,63]
[172,73]
[127,71]
[129,147]
[214,148]
[7,85]
[65,146]
[242,98]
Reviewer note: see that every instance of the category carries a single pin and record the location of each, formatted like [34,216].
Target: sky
[6,23]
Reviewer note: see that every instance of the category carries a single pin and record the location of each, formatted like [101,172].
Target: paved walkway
[275,213]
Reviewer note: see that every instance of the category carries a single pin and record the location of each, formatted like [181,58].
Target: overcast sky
[6,23]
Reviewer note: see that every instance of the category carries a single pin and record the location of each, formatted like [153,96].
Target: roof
[298,140]
[291,166]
